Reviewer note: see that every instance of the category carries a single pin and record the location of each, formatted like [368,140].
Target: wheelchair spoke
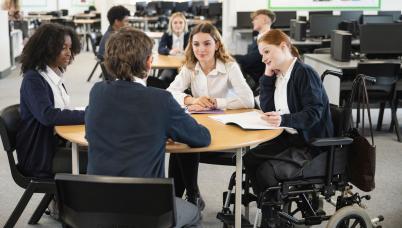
[354,225]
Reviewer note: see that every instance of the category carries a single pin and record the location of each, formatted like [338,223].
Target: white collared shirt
[60,96]
[141,81]
[225,83]
[178,42]
[281,93]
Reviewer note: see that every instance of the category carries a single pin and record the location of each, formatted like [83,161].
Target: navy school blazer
[36,141]
[166,42]
[307,100]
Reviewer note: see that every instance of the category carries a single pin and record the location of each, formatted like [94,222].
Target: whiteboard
[324,4]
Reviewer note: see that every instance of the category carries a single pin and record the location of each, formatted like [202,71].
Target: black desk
[322,62]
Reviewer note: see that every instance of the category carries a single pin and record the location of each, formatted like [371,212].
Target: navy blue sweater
[307,100]
[251,63]
[165,45]
[36,140]
[127,125]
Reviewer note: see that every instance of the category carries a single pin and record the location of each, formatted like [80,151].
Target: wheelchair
[299,202]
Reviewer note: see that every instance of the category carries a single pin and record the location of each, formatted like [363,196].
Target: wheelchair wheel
[350,216]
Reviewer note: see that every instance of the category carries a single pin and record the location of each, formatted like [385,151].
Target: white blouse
[281,94]
[225,83]
[60,96]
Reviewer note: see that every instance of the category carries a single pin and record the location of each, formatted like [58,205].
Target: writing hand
[273,118]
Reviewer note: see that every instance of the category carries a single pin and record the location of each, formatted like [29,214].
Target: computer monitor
[167,6]
[283,19]
[375,19]
[215,9]
[351,15]
[395,14]
[381,39]
[244,20]
[310,13]
[322,25]
[181,7]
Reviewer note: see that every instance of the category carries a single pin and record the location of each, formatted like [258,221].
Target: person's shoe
[197,201]
[53,210]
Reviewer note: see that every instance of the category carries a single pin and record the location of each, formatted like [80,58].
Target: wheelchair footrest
[229,219]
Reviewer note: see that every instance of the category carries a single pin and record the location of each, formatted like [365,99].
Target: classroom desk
[167,61]
[154,35]
[145,20]
[223,137]
[322,62]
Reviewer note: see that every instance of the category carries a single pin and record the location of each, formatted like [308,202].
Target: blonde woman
[216,82]
[174,41]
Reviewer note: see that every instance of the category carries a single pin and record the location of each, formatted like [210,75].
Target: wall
[5,62]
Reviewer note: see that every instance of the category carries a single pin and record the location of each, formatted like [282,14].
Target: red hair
[276,37]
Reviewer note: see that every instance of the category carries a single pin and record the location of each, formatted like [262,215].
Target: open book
[246,120]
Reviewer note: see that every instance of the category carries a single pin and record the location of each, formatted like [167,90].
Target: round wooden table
[223,137]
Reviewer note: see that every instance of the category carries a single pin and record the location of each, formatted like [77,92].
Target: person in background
[118,18]
[173,42]
[216,82]
[250,63]
[127,124]
[44,102]
[13,8]
[291,96]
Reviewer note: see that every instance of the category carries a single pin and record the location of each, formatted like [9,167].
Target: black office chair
[383,90]
[94,39]
[104,201]
[9,122]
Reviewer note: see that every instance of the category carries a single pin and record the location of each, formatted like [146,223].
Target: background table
[223,137]
[167,61]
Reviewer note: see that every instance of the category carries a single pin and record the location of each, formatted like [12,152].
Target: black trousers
[183,168]
[261,172]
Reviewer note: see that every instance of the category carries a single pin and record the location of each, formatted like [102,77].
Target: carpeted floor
[386,198]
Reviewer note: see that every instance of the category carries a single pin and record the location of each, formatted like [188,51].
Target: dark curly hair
[45,45]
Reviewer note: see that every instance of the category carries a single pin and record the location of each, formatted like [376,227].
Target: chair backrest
[103,201]
[9,123]
[386,74]
[94,39]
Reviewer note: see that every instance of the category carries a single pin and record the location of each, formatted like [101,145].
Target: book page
[246,120]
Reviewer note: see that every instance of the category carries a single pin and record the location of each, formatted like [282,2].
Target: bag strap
[366,102]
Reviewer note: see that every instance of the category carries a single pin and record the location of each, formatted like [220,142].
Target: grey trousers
[187,214]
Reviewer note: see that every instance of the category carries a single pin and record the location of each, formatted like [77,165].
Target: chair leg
[396,124]
[40,209]
[12,220]
[93,71]
[380,116]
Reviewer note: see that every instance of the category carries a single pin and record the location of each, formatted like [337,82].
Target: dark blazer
[36,141]
[127,125]
[307,100]
[102,43]
[166,42]
[251,63]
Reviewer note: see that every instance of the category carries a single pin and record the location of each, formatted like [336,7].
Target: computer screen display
[372,19]
[381,38]
[322,25]
[351,15]
[310,13]
[215,9]
[395,14]
[244,20]
[283,19]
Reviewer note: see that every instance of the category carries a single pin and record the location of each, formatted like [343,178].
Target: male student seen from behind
[117,17]
[250,63]
[129,123]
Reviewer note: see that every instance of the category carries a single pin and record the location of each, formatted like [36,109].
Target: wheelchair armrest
[334,141]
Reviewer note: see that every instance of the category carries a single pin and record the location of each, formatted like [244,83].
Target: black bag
[361,154]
